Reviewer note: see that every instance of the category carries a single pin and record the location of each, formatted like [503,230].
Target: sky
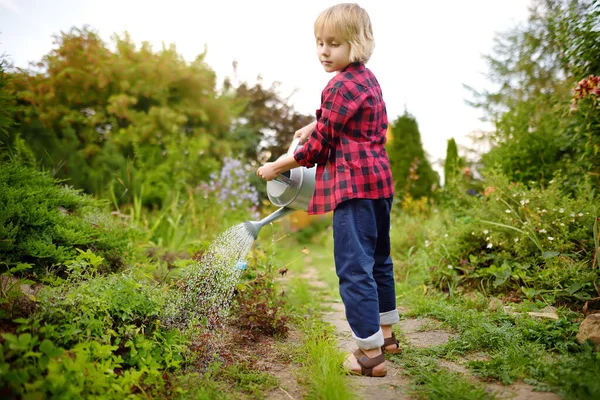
[425,51]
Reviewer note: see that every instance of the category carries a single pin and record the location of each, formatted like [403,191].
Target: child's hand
[304,133]
[267,172]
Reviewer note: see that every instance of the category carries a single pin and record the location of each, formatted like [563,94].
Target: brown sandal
[391,341]
[368,364]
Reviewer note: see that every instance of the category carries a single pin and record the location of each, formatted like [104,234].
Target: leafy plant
[43,223]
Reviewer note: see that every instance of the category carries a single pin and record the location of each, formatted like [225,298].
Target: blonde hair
[350,22]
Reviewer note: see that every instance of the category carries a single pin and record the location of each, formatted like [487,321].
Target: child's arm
[304,133]
[337,107]
[271,169]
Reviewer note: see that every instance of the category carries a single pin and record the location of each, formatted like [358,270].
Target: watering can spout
[253,227]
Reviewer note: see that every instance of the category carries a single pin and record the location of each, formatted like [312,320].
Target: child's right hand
[304,133]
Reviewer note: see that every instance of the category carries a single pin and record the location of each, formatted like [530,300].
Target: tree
[266,122]
[406,149]
[453,162]
[535,68]
[7,104]
[128,122]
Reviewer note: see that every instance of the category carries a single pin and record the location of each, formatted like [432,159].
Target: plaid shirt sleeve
[337,107]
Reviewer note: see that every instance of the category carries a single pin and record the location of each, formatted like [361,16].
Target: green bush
[43,223]
[93,338]
[538,241]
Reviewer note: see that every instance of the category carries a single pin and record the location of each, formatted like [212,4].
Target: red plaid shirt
[348,143]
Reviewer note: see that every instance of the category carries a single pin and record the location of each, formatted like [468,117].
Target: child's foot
[358,363]
[391,345]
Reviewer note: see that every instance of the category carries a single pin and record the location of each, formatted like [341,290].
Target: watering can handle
[283,179]
[293,146]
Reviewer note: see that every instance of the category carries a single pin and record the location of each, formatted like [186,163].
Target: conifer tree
[405,150]
[453,162]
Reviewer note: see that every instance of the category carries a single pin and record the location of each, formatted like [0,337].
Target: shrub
[43,223]
[514,237]
[260,310]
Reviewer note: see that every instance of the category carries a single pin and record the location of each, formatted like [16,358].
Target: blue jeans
[361,237]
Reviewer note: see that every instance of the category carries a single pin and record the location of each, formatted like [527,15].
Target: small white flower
[427,243]
[446,235]
[562,210]
[522,202]
[487,239]
[572,215]
[472,233]
[551,182]
[544,210]
[450,266]
[527,201]
[580,214]
[489,245]
[542,231]
[516,240]
[550,238]
[561,224]
[507,211]
[485,231]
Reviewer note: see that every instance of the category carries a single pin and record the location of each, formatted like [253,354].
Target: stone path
[395,385]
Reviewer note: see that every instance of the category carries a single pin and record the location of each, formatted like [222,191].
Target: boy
[353,179]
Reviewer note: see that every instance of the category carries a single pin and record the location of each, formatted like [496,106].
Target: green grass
[517,348]
[322,372]
[429,381]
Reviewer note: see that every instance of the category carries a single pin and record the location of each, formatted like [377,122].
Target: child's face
[333,53]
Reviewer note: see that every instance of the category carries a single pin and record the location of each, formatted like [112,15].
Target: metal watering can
[291,191]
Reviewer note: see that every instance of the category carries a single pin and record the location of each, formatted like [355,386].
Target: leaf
[530,292]
[502,274]
[20,267]
[574,288]
[550,254]
[44,360]
[46,346]
[24,339]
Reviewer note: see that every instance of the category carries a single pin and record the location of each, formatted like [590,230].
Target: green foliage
[7,106]
[44,224]
[98,337]
[453,163]
[122,120]
[432,382]
[520,238]
[248,380]
[535,68]
[260,310]
[412,171]
[321,360]
[313,232]
[542,353]
[103,308]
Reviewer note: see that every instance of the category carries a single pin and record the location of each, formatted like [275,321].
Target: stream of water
[207,288]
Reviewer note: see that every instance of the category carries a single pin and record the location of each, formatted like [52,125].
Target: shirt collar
[353,67]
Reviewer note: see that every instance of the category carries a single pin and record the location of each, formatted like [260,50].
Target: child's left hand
[267,172]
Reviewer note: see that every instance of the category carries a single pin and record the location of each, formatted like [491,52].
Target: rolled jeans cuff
[389,317]
[372,342]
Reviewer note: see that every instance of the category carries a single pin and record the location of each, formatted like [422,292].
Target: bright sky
[425,50]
